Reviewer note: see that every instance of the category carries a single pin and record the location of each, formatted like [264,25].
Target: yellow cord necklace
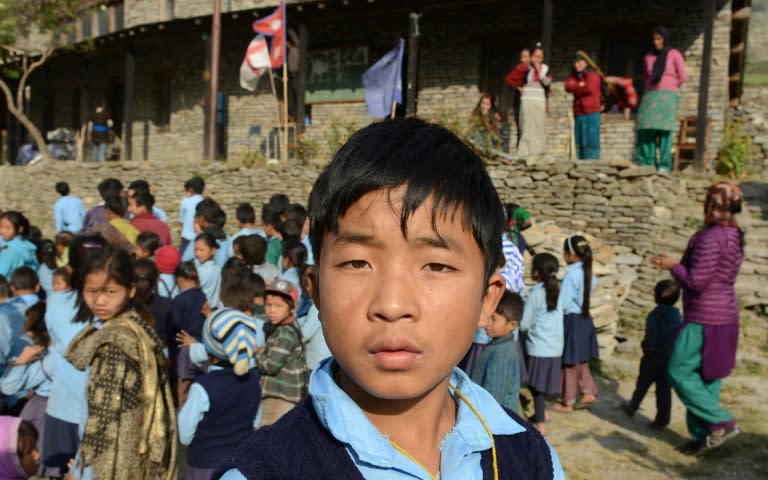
[482,421]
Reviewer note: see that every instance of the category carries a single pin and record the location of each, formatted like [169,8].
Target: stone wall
[451,61]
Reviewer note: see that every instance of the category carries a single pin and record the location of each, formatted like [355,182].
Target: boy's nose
[395,298]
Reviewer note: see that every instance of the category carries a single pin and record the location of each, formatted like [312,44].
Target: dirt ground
[603,443]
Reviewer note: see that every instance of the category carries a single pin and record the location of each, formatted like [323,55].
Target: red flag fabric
[274,25]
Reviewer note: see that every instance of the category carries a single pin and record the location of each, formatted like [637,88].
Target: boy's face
[59,284]
[277,309]
[399,313]
[141,253]
[499,326]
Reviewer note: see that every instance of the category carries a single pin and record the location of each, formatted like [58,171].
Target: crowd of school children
[115,344]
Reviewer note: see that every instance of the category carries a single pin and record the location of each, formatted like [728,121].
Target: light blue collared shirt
[69,213]
[375,456]
[209,274]
[544,327]
[572,289]
[187,216]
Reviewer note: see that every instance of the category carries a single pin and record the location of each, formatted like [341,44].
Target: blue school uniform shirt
[545,328]
[11,325]
[160,214]
[187,216]
[69,214]
[166,285]
[572,289]
[377,459]
[210,281]
[243,232]
[17,252]
[37,376]
[45,277]
[315,347]
[67,401]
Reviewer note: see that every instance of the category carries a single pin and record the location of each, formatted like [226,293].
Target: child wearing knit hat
[222,405]
[282,363]
[167,258]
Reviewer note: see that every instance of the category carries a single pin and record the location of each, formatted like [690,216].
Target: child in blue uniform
[579,335]
[498,368]
[660,332]
[220,411]
[405,229]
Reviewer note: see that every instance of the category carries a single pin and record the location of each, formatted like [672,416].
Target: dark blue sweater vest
[234,402]
[299,447]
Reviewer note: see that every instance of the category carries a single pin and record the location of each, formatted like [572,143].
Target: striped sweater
[283,365]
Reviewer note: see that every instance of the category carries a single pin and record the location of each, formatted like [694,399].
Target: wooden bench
[685,148]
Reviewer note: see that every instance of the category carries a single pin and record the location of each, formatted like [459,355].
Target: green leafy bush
[735,155]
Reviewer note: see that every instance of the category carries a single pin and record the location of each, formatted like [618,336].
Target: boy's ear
[313,286]
[493,292]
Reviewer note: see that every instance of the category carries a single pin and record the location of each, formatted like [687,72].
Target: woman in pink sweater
[664,72]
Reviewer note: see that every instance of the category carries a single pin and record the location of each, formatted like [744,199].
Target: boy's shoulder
[296,446]
[299,446]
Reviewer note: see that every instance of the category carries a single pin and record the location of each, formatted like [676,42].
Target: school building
[149,60]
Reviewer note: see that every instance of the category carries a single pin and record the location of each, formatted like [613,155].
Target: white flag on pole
[255,63]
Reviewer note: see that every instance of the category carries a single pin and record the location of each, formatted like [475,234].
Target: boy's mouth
[395,354]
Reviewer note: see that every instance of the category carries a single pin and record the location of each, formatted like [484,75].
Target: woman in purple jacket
[705,350]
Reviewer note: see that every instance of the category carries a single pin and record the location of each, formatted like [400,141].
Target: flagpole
[285,109]
[277,111]
[394,106]
[214,80]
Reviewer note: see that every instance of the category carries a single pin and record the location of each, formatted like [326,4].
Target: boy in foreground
[405,229]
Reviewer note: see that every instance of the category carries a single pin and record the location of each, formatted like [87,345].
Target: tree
[27,40]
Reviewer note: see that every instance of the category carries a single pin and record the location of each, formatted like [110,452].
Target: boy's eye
[439,267]
[355,264]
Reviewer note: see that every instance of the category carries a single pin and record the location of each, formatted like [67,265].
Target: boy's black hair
[295,211]
[291,230]
[35,235]
[196,184]
[187,270]
[24,278]
[46,253]
[62,188]
[240,290]
[279,201]
[244,213]
[208,238]
[110,186]
[270,215]
[252,248]
[429,161]
[232,269]
[139,186]
[64,239]
[5,288]
[116,205]
[149,242]
[295,252]
[64,274]
[143,198]
[666,292]
[34,322]
[510,306]
[210,210]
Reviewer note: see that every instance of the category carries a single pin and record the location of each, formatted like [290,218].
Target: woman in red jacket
[584,84]
[534,80]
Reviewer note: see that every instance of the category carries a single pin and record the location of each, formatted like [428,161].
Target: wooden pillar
[130,96]
[85,108]
[706,62]
[214,88]
[411,89]
[301,78]
[546,31]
